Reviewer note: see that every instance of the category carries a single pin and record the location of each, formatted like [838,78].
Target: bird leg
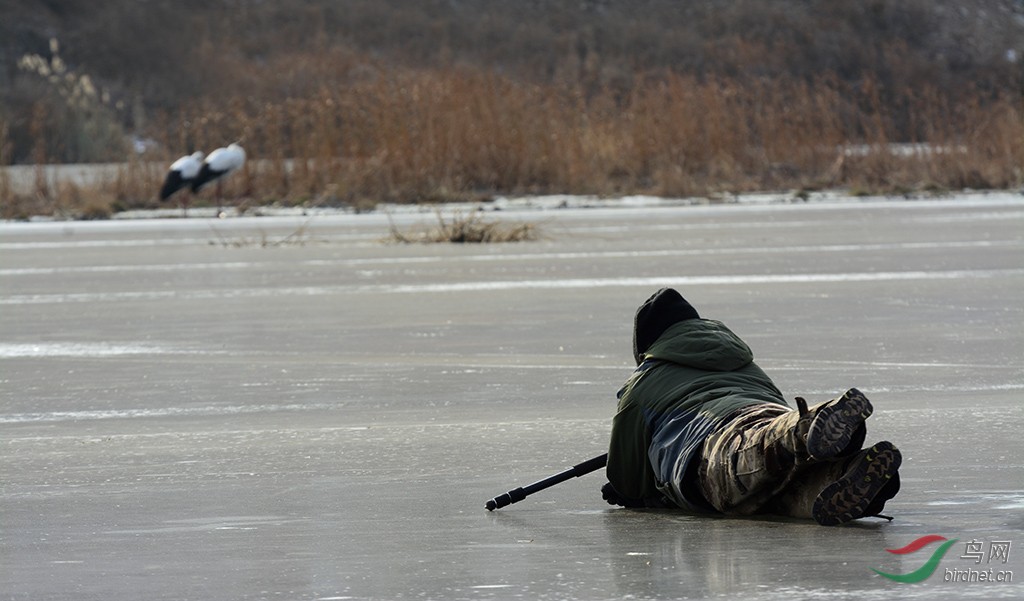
[220,196]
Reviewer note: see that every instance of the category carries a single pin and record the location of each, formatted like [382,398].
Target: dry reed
[466,228]
[460,134]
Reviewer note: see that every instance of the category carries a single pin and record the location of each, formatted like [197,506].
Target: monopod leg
[518,494]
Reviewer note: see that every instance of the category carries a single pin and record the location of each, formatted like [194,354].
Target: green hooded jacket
[691,379]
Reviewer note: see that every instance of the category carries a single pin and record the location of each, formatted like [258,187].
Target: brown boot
[826,431]
[870,479]
[839,491]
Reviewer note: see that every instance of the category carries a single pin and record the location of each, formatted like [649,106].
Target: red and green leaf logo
[929,567]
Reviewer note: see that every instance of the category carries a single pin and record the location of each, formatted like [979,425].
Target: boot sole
[848,498]
[835,425]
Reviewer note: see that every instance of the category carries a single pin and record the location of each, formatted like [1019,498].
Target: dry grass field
[388,102]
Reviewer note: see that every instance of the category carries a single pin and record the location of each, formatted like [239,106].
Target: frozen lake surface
[288,408]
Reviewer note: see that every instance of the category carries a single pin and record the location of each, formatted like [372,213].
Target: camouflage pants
[737,476]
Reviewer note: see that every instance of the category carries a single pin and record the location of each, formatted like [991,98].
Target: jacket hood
[702,344]
[659,312]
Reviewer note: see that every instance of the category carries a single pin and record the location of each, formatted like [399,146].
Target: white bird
[220,163]
[181,175]
[217,165]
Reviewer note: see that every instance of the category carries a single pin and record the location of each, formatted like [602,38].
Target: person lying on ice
[701,427]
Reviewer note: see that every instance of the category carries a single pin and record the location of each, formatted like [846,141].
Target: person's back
[696,375]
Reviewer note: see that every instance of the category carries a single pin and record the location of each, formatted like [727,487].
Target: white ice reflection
[98,414]
[81,349]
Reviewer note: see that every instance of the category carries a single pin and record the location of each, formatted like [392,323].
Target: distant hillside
[157,55]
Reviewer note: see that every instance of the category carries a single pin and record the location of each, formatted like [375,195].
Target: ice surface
[188,413]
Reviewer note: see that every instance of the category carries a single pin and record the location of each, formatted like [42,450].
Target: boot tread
[850,497]
[835,424]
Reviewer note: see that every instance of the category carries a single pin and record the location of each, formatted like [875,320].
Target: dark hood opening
[663,309]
